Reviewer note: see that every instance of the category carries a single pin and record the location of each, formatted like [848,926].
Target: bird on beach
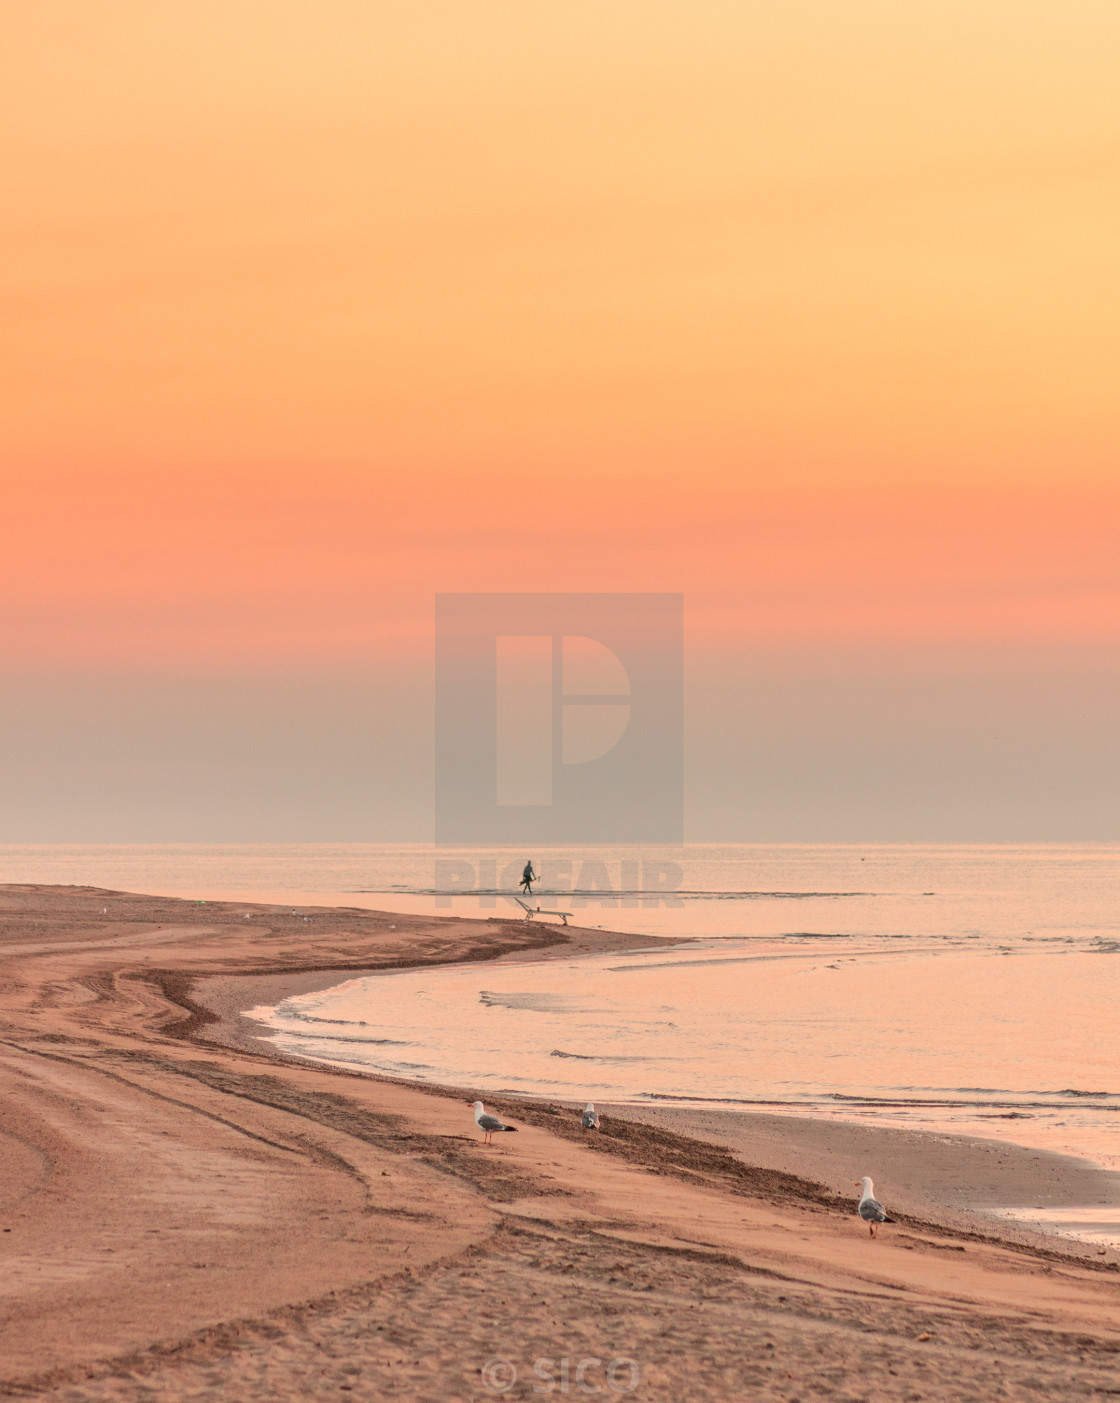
[870,1209]
[590,1119]
[489,1125]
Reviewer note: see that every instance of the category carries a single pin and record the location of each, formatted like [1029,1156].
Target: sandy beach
[187,1215]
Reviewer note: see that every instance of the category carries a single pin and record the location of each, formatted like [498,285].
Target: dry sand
[186,1215]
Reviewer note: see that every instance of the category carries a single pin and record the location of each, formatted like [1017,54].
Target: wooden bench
[531,911]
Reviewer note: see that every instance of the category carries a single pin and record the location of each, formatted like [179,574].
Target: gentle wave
[295,1015]
[1039,1101]
[1009,1110]
[530,1003]
[314,1040]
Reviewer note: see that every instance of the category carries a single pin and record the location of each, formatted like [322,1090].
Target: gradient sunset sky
[809,310]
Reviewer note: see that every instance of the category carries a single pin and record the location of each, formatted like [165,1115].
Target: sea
[969,989]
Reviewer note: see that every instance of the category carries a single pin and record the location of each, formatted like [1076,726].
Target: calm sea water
[971,989]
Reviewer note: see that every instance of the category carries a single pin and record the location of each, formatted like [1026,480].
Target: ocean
[965,989]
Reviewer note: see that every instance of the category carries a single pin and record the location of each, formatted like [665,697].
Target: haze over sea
[970,989]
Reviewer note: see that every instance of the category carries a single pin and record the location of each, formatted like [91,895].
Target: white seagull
[489,1125]
[590,1119]
[870,1209]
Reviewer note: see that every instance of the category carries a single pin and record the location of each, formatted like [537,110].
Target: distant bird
[870,1209]
[489,1125]
[590,1119]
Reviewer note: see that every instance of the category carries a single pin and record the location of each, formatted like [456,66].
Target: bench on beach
[531,911]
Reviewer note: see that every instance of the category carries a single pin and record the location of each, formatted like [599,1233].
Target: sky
[313,310]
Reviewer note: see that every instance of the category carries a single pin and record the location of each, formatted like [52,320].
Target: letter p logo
[559,718]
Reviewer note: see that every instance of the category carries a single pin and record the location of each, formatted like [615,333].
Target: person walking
[528,877]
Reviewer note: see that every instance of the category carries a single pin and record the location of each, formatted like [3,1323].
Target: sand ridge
[193,1217]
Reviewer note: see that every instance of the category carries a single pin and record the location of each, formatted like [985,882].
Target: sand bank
[190,1216]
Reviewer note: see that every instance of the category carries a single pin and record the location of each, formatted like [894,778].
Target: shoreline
[956,1182]
[942,1180]
[187,1213]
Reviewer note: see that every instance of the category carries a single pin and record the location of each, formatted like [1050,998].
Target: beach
[187,1213]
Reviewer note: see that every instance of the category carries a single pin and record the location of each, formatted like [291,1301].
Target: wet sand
[187,1215]
[956,1181]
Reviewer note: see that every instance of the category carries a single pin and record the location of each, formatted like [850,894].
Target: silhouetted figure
[528,877]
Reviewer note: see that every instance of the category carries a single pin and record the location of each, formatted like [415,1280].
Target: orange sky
[203,571]
[313,309]
[834,239]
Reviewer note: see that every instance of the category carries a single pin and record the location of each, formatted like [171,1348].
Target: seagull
[870,1209]
[590,1118]
[489,1125]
